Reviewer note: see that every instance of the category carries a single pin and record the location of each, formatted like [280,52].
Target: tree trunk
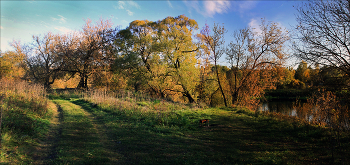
[220,87]
[189,97]
[235,92]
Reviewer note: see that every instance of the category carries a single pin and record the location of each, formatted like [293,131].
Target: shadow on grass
[78,142]
[234,137]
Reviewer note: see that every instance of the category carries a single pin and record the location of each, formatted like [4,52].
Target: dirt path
[76,137]
[45,152]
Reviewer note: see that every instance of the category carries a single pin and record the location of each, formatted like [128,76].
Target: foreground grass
[26,120]
[148,135]
[80,141]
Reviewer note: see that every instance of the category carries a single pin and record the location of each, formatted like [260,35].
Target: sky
[22,19]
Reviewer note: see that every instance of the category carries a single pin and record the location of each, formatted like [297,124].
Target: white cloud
[134,4]
[129,12]
[64,30]
[113,17]
[169,3]
[121,4]
[61,19]
[255,26]
[213,7]
[126,5]
[209,8]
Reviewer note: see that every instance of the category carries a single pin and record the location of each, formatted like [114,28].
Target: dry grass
[25,119]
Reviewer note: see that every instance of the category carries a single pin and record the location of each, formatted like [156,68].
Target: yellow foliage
[11,65]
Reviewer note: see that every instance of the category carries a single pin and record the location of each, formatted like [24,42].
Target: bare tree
[88,51]
[42,59]
[251,57]
[324,33]
[214,46]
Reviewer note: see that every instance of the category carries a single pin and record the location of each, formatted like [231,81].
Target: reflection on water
[284,107]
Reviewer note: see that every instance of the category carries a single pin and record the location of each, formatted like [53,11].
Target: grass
[80,139]
[26,116]
[159,133]
[98,129]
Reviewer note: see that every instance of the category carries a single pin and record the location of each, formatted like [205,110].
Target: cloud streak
[129,12]
[61,19]
[213,7]
[254,24]
[62,29]
[169,4]
[208,8]
[126,5]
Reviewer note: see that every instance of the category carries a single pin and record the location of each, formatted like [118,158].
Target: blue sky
[22,19]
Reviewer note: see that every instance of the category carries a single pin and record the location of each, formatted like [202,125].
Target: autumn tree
[89,51]
[160,55]
[174,42]
[11,65]
[136,57]
[251,56]
[42,59]
[324,34]
[214,47]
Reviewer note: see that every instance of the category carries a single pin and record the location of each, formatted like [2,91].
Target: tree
[324,34]
[42,59]
[160,54]
[174,39]
[136,56]
[252,56]
[214,47]
[90,51]
[11,65]
[302,72]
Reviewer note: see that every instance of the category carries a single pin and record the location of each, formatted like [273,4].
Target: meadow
[92,127]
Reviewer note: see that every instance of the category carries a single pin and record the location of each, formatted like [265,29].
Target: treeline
[165,58]
[307,76]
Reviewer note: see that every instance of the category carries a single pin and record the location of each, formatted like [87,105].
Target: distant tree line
[165,58]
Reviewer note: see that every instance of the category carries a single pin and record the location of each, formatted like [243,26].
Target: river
[284,107]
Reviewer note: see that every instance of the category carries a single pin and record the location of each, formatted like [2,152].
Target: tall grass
[138,107]
[25,117]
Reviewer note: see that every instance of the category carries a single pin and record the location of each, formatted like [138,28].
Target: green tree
[174,40]
[160,54]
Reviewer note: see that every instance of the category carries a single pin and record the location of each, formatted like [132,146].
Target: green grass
[25,123]
[236,136]
[124,131]
[80,139]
